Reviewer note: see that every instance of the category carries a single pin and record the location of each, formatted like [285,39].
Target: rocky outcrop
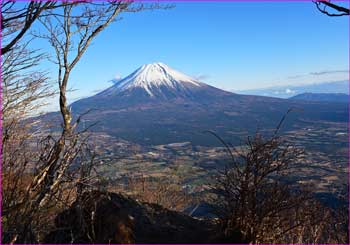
[102,217]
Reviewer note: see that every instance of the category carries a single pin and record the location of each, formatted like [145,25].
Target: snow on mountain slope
[153,78]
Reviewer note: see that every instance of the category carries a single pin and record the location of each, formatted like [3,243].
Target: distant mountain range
[289,91]
[159,105]
[326,97]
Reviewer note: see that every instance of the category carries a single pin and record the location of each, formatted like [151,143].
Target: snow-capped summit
[154,79]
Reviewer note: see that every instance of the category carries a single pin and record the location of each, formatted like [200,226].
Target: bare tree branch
[340,11]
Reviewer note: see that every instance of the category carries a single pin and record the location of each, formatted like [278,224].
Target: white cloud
[117,76]
[289,91]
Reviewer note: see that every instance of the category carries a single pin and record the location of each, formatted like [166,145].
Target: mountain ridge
[325,97]
[169,115]
[287,91]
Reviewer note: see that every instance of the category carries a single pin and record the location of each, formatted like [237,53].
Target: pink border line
[348,183]
[178,1]
[0,131]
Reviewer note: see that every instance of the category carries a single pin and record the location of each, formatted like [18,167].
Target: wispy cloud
[78,98]
[97,91]
[321,73]
[116,79]
[201,77]
[296,76]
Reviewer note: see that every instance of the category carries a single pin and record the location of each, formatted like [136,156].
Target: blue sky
[231,45]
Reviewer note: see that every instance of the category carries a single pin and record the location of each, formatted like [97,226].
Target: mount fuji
[152,83]
[155,79]
[159,105]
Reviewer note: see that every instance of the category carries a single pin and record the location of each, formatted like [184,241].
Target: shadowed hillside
[102,217]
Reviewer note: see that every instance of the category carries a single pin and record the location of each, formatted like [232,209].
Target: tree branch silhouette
[322,7]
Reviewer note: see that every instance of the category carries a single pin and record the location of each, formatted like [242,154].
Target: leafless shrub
[257,198]
[24,90]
